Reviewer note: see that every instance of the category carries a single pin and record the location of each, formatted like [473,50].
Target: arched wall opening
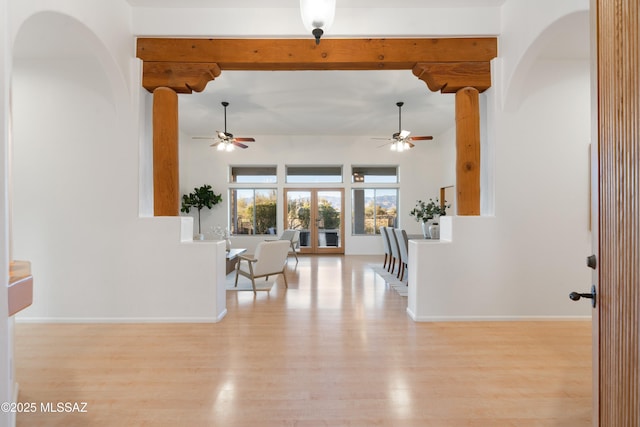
[66,123]
[565,38]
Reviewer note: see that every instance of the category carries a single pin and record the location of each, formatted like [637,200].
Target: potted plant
[427,212]
[200,198]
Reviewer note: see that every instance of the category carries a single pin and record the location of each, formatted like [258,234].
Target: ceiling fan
[225,141]
[400,141]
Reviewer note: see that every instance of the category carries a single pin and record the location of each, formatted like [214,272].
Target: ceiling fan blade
[420,138]
[383,139]
[215,144]
[244,139]
[384,145]
[203,137]
[410,144]
[404,134]
[239,144]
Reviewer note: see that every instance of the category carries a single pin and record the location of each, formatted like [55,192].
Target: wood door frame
[617,337]
[313,231]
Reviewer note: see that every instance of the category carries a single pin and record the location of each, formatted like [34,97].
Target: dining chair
[403,247]
[386,246]
[395,250]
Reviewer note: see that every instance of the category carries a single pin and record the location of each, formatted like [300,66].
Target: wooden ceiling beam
[304,54]
[188,64]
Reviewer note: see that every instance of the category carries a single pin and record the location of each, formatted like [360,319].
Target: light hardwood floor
[335,349]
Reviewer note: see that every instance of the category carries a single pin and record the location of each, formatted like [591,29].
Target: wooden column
[466,80]
[468,151]
[166,188]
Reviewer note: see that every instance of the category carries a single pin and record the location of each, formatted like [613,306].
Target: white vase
[434,230]
[425,230]
[228,244]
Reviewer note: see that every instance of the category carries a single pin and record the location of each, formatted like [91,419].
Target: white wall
[523,36]
[348,22]
[6,324]
[524,261]
[76,196]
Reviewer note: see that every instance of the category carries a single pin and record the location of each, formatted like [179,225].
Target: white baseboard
[121,319]
[495,318]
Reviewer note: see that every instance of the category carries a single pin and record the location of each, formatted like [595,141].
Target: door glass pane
[299,214]
[328,218]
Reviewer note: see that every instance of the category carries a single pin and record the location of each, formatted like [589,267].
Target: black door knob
[575,296]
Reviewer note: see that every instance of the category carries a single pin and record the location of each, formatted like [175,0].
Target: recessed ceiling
[316,103]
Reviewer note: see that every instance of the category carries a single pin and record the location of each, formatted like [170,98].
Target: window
[253,211]
[254,174]
[374,208]
[375,174]
[314,174]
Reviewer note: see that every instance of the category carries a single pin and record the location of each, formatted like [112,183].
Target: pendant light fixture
[317,16]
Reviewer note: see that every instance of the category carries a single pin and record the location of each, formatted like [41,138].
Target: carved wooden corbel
[182,77]
[450,77]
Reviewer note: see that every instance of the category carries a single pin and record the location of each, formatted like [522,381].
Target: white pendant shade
[317,13]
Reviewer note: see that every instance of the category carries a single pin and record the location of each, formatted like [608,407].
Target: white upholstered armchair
[269,259]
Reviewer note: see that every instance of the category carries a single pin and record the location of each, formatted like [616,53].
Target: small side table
[232,258]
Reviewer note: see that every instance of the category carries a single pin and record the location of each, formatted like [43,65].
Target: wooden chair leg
[384,265]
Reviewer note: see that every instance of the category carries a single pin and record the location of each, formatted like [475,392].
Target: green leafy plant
[426,211]
[200,198]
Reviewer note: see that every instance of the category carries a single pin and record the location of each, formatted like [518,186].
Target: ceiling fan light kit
[400,146]
[317,16]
